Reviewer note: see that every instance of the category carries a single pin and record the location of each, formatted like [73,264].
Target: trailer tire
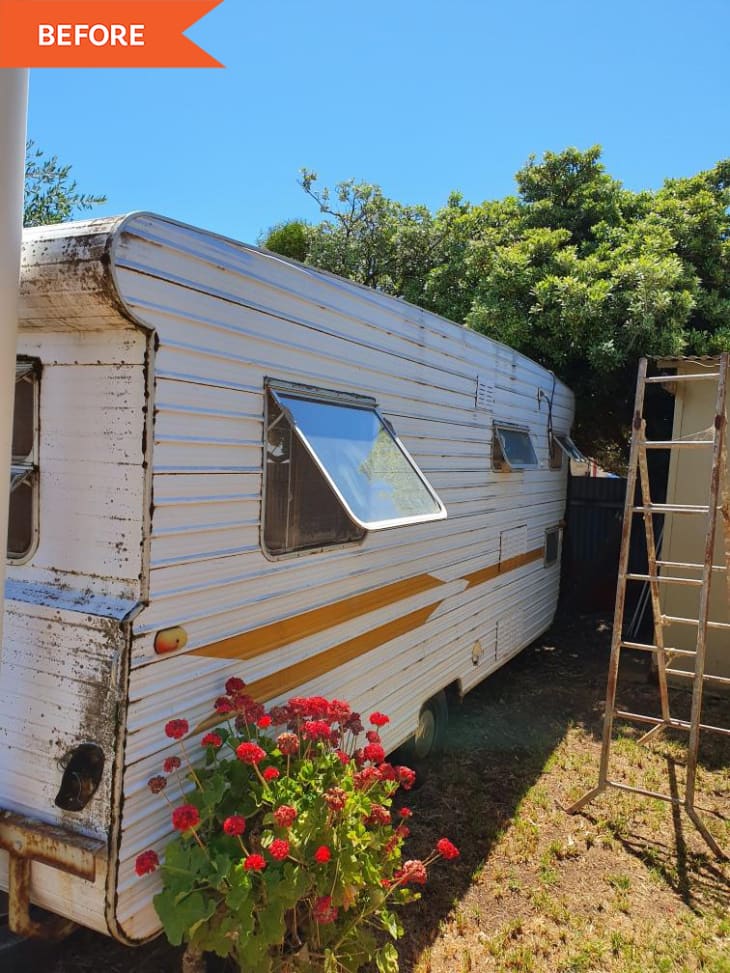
[433,720]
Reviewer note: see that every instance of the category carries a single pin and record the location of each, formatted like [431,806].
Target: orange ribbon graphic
[102,34]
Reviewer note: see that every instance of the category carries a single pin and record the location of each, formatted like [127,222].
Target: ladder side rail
[618,614]
[654,589]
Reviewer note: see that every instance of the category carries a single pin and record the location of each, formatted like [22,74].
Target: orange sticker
[102,34]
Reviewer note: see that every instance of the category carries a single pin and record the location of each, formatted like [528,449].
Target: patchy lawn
[627,886]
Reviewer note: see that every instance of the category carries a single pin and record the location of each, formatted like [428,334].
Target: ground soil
[625,886]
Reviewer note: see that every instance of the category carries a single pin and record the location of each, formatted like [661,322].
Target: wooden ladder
[719,499]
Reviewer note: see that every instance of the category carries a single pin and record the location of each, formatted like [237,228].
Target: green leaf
[179,914]
[386,959]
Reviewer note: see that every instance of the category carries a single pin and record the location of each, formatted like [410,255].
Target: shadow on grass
[498,745]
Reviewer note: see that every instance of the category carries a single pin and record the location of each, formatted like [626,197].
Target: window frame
[500,461]
[567,447]
[24,469]
[335,398]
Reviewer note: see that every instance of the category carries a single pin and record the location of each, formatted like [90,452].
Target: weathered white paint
[162,508]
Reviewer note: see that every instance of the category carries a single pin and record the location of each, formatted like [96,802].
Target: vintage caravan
[226,463]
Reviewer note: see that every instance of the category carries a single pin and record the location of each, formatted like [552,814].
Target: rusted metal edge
[28,839]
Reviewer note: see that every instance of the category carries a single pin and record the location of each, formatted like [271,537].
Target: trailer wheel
[429,736]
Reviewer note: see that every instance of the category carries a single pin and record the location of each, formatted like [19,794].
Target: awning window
[513,448]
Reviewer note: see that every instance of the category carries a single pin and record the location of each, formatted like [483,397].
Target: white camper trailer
[226,463]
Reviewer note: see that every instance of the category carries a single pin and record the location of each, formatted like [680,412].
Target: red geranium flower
[445,848]
[263,722]
[146,863]
[322,855]
[212,740]
[387,772]
[338,711]
[223,705]
[185,817]
[406,776]
[157,784]
[254,863]
[379,719]
[323,910]
[234,685]
[250,753]
[234,825]
[413,872]
[372,736]
[364,778]
[176,729]
[288,743]
[280,715]
[316,730]
[285,816]
[271,773]
[405,812]
[170,764]
[335,798]
[378,815]
[279,849]
[374,753]
[343,757]
[353,723]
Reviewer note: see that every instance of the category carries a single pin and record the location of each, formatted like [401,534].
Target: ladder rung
[690,567]
[686,674]
[671,443]
[674,724]
[695,582]
[644,647]
[674,619]
[640,790]
[672,508]
[695,377]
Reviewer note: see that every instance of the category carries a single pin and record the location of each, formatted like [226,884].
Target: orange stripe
[263,639]
[289,678]
[503,567]
[317,665]
[283,680]
[259,641]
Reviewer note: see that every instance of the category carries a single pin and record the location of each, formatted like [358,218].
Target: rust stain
[37,841]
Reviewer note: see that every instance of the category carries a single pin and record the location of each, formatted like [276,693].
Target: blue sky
[421,98]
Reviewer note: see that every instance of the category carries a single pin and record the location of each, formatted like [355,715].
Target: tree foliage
[574,270]
[51,196]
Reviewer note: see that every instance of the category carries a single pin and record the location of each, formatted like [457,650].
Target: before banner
[102,34]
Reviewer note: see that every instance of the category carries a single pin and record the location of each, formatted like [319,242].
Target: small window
[552,545]
[335,469]
[512,448]
[23,511]
[563,444]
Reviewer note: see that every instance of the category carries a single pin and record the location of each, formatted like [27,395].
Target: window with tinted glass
[334,470]
[23,509]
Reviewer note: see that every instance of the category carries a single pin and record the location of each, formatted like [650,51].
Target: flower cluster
[286,834]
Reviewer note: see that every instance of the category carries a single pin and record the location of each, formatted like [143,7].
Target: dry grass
[627,886]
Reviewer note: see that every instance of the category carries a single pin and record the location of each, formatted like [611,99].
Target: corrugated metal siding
[63,645]
[226,317]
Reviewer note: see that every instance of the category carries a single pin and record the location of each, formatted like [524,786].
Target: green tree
[574,270]
[51,196]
